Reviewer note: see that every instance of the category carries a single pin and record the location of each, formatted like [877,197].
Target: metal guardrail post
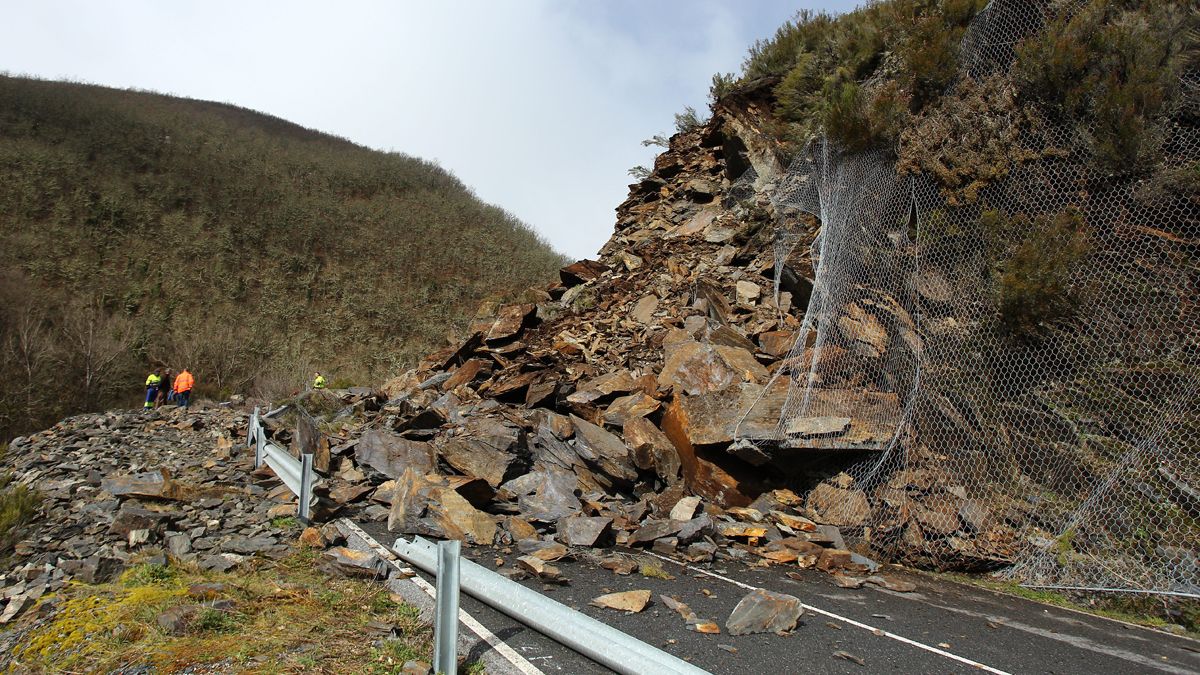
[260,448]
[251,428]
[445,625]
[600,642]
[306,485]
[297,475]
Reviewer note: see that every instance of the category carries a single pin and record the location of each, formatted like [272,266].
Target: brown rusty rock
[581,271]
[699,368]
[777,343]
[465,374]
[510,322]
[628,407]
[652,449]
[713,475]
[616,382]
[863,330]
[837,506]
[834,559]
[694,622]
[312,537]
[625,601]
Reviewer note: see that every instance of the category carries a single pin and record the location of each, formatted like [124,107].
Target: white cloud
[539,105]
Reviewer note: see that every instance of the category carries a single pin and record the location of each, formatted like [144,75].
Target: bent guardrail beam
[598,641]
[297,474]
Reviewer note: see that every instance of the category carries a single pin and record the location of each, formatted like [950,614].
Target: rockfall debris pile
[601,413]
[111,484]
[612,408]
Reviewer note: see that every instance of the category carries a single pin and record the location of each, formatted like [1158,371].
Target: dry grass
[288,617]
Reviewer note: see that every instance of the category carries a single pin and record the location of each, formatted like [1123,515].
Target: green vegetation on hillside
[862,78]
[140,229]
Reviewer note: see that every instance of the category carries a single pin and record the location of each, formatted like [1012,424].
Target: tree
[98,346]
[30,349]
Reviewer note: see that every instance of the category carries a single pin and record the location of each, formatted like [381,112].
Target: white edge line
[852,622]
[519,662]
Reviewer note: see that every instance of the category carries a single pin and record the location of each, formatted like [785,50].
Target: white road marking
[502,648]
[852,622]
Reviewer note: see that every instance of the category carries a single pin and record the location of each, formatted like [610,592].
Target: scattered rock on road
[763,611]
[625,601]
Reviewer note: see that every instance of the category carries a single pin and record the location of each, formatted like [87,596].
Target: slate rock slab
[390,454]
[764,611]
[585,531]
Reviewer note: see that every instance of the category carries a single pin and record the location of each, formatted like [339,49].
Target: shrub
[722,85]
[687,120]
[845,117]
[18,506]
[825,63]
[972,138]
[1114,70]
[213,620]
[930,59]
[1036,284]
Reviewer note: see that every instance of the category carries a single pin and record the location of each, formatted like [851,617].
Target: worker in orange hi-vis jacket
[184,382]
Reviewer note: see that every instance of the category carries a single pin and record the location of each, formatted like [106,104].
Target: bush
[1114,70]
[687,120]
[722,85]
[845,117]
[18,506]
[825,62]
[931,59]
[971,139]
[1036,284]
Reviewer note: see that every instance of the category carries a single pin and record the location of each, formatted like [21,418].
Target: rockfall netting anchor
[445,624]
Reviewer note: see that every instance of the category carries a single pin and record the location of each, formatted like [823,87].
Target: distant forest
[142,230]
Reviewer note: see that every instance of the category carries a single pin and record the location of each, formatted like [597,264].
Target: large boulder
[390,454]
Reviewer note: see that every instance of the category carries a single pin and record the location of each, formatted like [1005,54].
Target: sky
[540,106]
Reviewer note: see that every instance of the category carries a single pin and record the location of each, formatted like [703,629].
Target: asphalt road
[943,627]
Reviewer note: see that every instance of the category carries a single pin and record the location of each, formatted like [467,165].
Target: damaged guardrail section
[295,473]
[598,641]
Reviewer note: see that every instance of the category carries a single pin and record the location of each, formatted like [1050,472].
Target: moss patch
[286,617]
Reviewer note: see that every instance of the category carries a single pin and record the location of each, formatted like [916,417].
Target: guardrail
[297,474]
[600,642]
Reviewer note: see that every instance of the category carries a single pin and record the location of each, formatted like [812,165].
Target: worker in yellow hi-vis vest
[319,381]
[153,381]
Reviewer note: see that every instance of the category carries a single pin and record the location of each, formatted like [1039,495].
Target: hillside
[140,229]
[922,290]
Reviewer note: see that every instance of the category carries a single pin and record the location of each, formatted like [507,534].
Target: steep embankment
[139,228]
[933,271]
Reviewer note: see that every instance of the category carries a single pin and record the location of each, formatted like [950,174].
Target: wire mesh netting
[1017,376]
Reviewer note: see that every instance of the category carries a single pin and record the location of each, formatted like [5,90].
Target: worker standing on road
[183,387]
[152,384]
[319,381]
